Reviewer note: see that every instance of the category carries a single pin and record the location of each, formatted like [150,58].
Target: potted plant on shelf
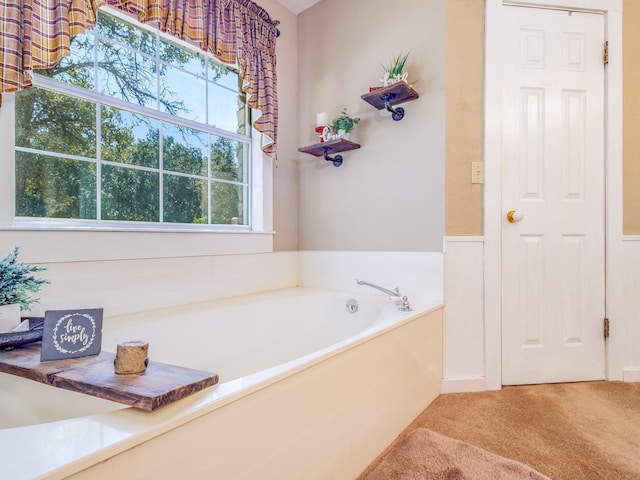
[341,126]
[17,283]
[394,71]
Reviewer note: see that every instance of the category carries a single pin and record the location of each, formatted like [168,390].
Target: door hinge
[605,53]
[606,328]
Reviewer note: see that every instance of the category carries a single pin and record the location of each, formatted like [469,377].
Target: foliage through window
[133,127]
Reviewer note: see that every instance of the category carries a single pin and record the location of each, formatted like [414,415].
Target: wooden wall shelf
[333,146]
[323,149]
[391,95]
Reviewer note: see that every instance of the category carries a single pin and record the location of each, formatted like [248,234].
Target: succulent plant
[396,65]
[343,122]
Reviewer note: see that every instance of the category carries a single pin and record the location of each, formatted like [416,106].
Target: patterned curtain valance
[36,34]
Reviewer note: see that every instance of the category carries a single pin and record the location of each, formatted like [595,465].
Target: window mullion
[96,76]
[160,136]
[161,173]
[71,90]
[98,161]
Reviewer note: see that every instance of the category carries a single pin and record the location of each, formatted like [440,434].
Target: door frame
[493,214]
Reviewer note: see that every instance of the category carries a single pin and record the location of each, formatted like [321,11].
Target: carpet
[427,455]
[567,431]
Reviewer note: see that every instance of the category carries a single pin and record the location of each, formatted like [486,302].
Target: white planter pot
[343,134]
[9,317]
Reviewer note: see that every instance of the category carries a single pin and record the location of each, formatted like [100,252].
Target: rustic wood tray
[160,385]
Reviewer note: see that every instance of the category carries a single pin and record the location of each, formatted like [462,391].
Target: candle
[131,357]
[322,119]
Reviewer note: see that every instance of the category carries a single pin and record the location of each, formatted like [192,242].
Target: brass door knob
[514,216]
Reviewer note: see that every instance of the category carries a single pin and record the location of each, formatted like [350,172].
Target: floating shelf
[389,96]
[323,149]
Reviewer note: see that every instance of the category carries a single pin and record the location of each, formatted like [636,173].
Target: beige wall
[631,117]
[285,182]
[465,115]
[388,195]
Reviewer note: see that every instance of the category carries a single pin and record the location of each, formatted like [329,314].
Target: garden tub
[308,389]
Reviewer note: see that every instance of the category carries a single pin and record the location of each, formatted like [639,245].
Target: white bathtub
[306,390]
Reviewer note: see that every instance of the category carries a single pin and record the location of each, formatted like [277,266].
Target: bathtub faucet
[401,300]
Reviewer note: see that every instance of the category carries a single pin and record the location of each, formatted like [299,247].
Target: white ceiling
[297,6]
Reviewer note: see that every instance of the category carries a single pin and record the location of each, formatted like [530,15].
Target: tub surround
[419,275]
[94,375]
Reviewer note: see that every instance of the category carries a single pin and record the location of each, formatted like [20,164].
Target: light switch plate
[477,173]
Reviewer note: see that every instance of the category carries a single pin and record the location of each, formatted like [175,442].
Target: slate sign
[71,333]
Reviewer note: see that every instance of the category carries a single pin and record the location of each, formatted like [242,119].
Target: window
[133,127]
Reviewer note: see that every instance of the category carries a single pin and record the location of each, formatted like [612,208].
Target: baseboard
[461,385]
[631,376]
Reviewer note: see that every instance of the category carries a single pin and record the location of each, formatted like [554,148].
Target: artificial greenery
[343,122]
[17,281]
[396,65]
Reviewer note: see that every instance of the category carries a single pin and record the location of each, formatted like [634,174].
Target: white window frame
[62,241]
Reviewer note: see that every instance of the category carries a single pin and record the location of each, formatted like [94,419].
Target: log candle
[131,357]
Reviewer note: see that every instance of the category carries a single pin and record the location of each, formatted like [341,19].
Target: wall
[388,195]
[465,115]
[465,276]
[285,171]
[631,117]
[464,361]
[625,323]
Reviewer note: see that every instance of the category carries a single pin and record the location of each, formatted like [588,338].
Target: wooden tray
[160,385]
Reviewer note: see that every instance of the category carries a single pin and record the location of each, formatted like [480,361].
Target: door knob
[514,216]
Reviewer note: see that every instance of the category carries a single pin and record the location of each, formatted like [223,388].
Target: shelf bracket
[396,113]
[337,160]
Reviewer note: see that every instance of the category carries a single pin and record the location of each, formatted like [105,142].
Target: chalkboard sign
[71,333]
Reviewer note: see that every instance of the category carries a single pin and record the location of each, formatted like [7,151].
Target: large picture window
[133,127]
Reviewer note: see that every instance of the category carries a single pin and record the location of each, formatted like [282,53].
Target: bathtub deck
[160,385]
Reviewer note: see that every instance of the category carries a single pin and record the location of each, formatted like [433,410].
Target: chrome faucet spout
[401,300]
[392,293]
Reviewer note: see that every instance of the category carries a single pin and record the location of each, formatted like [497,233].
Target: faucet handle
[403,304]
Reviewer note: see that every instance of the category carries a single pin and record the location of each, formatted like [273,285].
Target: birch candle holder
[131,357]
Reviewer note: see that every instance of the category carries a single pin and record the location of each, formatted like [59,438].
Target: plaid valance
[36,34]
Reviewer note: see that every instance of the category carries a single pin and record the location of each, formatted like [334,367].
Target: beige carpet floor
[572,431]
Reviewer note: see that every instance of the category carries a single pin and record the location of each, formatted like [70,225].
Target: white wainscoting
[623,311]
[464,347]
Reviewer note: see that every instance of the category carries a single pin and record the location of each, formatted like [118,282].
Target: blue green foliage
[17,281]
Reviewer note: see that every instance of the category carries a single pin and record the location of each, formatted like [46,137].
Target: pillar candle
[322,119]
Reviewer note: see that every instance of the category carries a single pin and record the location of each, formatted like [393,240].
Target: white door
[553,296]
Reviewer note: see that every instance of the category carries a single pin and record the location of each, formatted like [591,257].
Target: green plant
[17,281]
[396,65]
[343,122]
